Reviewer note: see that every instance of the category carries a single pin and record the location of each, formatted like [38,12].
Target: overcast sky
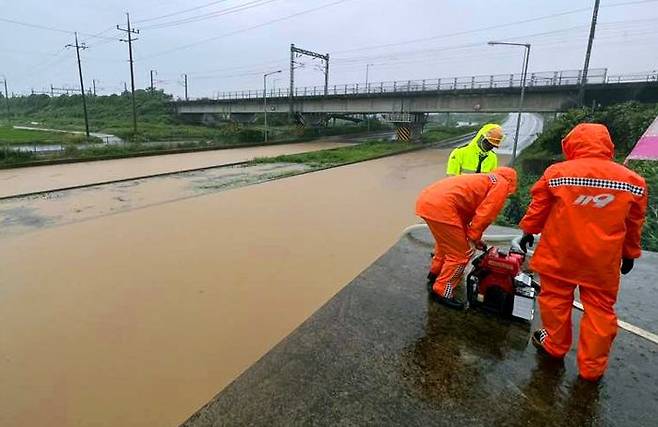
[227,45]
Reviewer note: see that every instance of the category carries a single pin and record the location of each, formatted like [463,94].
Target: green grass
[156,120]
[434,133]
[342,155]
[626,123]
[649,171]
[9,135]
[9,158]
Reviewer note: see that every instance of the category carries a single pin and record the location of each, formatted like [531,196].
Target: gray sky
[227,45]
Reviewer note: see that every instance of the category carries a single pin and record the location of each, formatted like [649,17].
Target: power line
[105,39]
[439,49]
[258,65]
[47,28]
[139,21]
[48,63]
[234,9]
[492,27]
[274,21]
[37,26]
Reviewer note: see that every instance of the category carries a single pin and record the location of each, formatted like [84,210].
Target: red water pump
[498,284]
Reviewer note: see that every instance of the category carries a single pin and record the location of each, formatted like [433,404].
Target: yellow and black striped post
[403,133]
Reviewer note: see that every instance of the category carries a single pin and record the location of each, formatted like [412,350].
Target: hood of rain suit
[588,140]
[509,175]
[481,133]
[590,211]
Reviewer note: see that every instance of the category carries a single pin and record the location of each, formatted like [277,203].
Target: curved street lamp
[265,98]
[524,74]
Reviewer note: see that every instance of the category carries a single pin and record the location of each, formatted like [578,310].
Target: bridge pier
[243,117]
[312,119]
[408,126]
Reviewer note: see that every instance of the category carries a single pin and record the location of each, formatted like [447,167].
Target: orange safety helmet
[494,135]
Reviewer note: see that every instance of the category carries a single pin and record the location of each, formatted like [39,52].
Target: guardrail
[536,79]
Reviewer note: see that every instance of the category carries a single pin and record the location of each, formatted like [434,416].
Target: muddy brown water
[42,178]
[139,318]
[25,214]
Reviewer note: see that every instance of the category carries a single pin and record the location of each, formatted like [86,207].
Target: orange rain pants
[598,326]
[451,255]
[457,209]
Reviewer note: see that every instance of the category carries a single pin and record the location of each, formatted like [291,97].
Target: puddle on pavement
[139,318]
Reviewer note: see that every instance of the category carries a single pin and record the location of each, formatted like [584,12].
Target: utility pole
[93,84]
[130,31]
[77,47]
[326,75]
[152,72]
[295,50]
[185,84]
[367,70]
[592,30]
[4,79]
[291,94]
[125,87]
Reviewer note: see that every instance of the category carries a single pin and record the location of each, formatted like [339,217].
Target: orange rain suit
[458,209]
[590,211]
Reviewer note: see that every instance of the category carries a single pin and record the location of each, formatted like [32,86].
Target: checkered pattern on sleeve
[595,183]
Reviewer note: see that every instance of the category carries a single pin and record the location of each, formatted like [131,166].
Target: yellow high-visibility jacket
[471,159]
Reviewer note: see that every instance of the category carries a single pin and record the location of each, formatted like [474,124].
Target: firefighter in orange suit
[590,211]
[457,210]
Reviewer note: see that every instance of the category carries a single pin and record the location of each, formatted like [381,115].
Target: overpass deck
[546,92]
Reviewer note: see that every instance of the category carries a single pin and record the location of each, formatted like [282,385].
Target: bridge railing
[536,79]
[648,76]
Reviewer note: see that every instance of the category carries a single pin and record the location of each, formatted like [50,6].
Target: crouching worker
[457,210]
[590,211]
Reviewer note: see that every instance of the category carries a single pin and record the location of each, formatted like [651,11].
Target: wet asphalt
[382,353]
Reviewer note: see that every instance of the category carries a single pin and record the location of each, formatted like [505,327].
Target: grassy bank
[10,158]
[342,155]
[156,120]
[11,136]
[71,153]
[626,123]
[159,129]
[434,133]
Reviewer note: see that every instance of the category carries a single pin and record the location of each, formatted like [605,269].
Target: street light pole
[265,99]
[524,75]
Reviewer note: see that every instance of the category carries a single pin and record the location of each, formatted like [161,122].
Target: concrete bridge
[546,92]
[407,102]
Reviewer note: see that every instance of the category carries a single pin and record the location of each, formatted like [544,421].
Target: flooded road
[138,318]
[42,178]
[24,214]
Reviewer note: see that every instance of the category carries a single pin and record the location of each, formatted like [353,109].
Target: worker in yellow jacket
[477,156]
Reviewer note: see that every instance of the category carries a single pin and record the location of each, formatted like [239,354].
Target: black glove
[527,240]
[627,265]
